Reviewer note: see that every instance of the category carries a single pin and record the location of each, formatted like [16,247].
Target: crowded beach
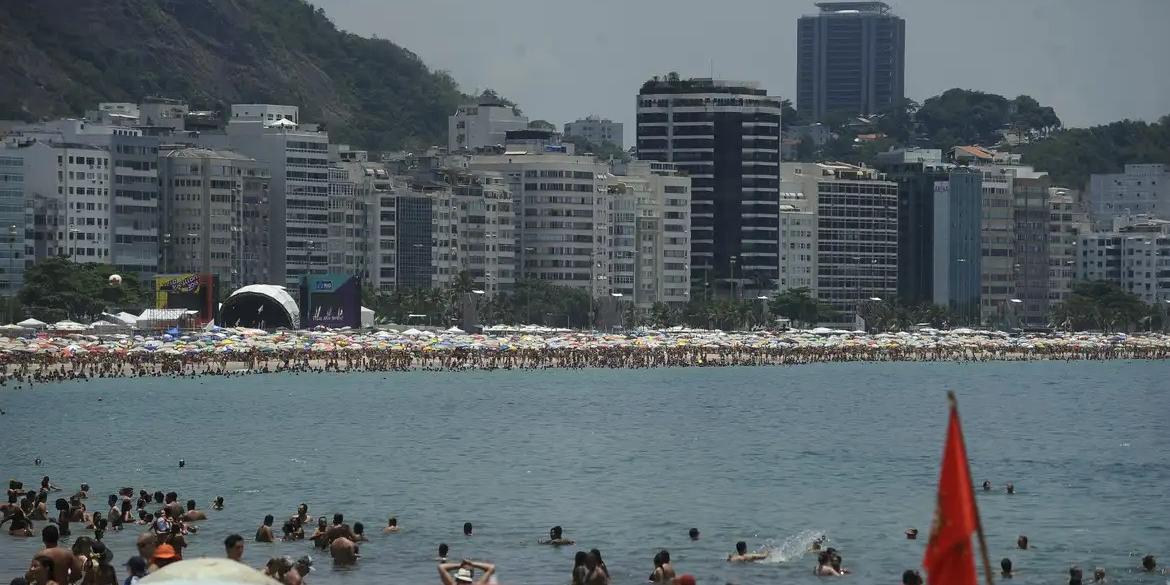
[74,351]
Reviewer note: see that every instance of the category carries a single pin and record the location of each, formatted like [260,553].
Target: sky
[1094,61]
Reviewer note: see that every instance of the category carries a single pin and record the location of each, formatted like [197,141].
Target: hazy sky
[1095,61]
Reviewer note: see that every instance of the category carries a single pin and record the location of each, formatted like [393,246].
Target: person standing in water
[264,532]
[743,556]
[464,572]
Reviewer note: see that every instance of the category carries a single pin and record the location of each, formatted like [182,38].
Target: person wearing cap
[136,566]
[463,572]
[164,554]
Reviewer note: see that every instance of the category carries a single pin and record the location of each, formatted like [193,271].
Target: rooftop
[853,7]
[702,85]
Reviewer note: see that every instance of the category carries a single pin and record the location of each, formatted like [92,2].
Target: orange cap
[164,552]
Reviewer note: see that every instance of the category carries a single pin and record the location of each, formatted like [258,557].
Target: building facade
[13,224]
[563,217]
[1134,254]
[1067,220]
[482,125]
[956,247]
[857,238]
[205,197]
[135,199]
[725,135]
[597,130]
[1140,189]
[651,247]
[850,59]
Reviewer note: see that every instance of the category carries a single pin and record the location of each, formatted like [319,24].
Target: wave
[793,547]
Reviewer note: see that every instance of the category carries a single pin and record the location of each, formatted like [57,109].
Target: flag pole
[978,521]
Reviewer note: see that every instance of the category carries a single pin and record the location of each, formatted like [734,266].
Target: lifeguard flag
[950,557]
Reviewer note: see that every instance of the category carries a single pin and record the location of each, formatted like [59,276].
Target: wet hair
[443,549]
[392,521]
[61,504]
[555,532]
[1022,541]
[190,504]
[579,558]
[358,528]
[113,499]
[125,505]
[597,555]
[824,558]
[158,497]
[172,497]
[231,541]
[85,487]
[911,577]
[665,556]
[338,518]
[219,500]
[322,522]
[467,528]
[1075,576]
[50,534]
[82,545]
[657,559]
[694,532]
[741,547]
[1148,563]
[1006,565]
[268,520]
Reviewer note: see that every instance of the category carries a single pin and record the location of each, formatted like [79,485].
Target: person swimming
[1022,542]
[391,526]
[825,565]
[693,533]
[555,537]
[1005,566]
[741,554]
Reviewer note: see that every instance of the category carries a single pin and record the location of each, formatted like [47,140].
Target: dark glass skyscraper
[850,58]
[726,136]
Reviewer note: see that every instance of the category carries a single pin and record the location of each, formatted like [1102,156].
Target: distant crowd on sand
[166,524]
[32,368]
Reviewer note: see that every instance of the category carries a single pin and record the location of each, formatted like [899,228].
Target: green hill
[61,57]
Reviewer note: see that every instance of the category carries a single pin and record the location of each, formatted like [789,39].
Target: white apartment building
[297,156]
[480,235]
[1066,222]
[13,224]
[857,234]
[68,186]
[482,124]
[563,211]
[596,130]
[1134,254]
[798,242]
[214,215]
[651,244]
[1140,189]
[998,241]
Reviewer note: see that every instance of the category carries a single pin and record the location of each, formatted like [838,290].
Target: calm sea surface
[627,461]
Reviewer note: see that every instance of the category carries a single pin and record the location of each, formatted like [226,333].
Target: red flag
[950,558]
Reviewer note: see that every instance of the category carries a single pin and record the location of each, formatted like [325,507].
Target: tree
[1071,155]
[1100,305]
[56,288]
[799,306]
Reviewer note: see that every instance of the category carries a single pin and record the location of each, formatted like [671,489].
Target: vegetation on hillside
[63,56]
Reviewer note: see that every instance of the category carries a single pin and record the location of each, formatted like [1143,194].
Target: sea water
[626,461]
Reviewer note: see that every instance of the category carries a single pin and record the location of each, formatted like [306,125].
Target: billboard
[332,300]
[191,291]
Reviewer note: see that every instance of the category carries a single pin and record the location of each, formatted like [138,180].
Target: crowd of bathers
[165,523]
[42,368]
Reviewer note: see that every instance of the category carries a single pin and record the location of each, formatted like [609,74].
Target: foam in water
[793,547]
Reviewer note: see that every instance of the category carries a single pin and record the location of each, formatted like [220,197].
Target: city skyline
[1087,60]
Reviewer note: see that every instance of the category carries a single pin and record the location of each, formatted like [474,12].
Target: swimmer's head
[467,528]
[338,518]
[1098,575]
[113,499]
[657,559]
[912,534]
[392,522]
[986,485]
[911,577]
[1149,564]
[359,528]
[322,523]
[1011,489]
[741,547]
[190,505]
[268,520]
[85,487]
[665,556]
[303,509]
[1022,542]
[1005,565]
[580,558]
[555,532]
[172,497]
[158,497]
[443,550]
[694,533]
[1075,575]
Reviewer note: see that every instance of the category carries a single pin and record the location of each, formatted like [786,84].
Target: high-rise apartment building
[857,233]
[596,130]
[1134,254]
[212,203]
[651,245]
[850,59]
[797,241]
[725,135]
[1067,220]
[1140,189]
[12,224]
[563,216]
[297,156]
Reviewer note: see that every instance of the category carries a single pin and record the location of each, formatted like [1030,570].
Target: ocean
[626,461]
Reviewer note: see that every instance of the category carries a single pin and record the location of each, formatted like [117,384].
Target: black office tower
[850,59]
[726,136]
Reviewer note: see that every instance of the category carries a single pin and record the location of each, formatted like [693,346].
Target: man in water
[218,503]
[343,550]
[911,577]
[1149,565]
[442,558]
[986,485]
[391,526]
[264,532]
[1075,575]
[743,556]
[339,530]
[464,572]
[694,534]
[66,567]
[136,566]
[555,537]
[193,515]
[912,534]
[233,546]
[1011,488]
[1099,575]
[1005,566]
[1022,542]
[467,529]
[825,565]
[663,570]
